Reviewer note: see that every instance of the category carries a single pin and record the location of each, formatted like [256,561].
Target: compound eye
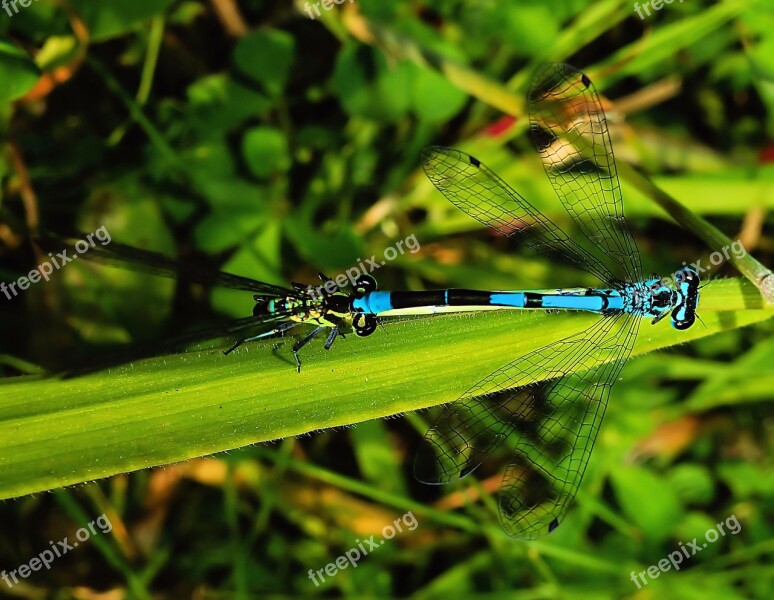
[364,325]
[364,285]
[690,276]
[261,308]
[682,324]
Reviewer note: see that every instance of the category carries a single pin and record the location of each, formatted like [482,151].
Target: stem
[151,59]
[759,275]
[155,136]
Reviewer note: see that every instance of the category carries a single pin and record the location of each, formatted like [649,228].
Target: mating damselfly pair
[551,422]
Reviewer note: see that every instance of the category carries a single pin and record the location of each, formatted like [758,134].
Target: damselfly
[277,310]
[549,403]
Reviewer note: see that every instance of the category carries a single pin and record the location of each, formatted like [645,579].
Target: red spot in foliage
[500,126]
[767,154]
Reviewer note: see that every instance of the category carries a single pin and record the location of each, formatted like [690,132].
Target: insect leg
[301,343]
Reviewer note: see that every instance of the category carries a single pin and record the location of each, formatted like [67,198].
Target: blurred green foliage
[249,137]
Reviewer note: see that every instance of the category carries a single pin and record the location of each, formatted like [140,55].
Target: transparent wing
[540,484]
[475,189]
[471,428]
[569,130]
[153,263]
[553,421]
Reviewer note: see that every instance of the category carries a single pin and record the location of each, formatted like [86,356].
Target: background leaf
[18,72]
[249,137]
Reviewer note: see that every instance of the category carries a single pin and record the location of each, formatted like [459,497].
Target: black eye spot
[261,309]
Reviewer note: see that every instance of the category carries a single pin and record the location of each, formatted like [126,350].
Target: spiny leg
[276,331]
[301,343]
[332,337]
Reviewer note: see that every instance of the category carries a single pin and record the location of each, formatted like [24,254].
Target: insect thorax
[649,298]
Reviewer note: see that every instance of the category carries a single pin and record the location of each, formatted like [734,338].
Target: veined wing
[153,263]
[569,130]
[540,484]
[555,422]
[475,189]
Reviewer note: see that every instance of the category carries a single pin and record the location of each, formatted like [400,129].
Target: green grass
[268,144]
